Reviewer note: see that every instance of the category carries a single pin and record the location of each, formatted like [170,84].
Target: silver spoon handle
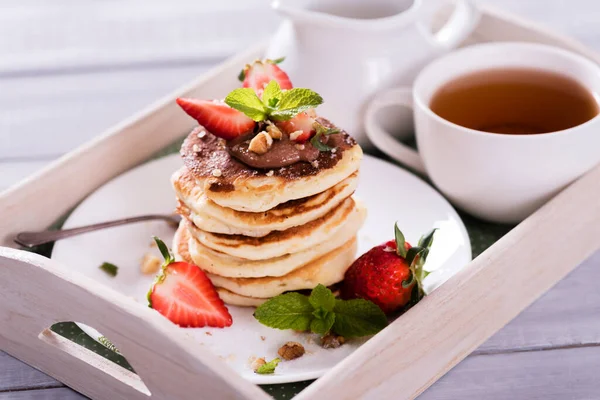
[30,239]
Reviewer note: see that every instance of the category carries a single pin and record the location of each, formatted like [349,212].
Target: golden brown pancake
[211,217]
[279,243]
[326,270]
[230,183]
[226,265]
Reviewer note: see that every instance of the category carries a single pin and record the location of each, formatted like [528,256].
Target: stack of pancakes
[259,233]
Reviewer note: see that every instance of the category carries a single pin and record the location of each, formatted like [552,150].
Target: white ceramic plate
[390,194]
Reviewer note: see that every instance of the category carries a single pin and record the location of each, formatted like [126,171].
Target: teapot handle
[459,26]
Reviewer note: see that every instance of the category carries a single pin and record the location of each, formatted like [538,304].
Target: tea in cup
[500,127]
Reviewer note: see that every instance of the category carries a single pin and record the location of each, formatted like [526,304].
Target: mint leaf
[246,101]
[272,94]
[110,269]
[400,241]
[286,311]
[295,101]
[358,317]
[323,321]
[268,368]
[321,296]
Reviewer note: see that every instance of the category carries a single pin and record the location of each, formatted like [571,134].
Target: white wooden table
[71,68]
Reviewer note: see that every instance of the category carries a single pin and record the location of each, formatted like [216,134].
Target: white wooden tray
[400,362]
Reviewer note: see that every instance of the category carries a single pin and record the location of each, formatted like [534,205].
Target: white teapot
[346,50]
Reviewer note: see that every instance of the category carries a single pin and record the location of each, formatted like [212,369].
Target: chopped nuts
[315,164]
[270,173]
[150,264]
[261,143]
[296,134]
[273,130]
[334,150]
[216,172]
[256,364]
[291,350]
[332,341]
[300,146]
[195,148]
[201,134]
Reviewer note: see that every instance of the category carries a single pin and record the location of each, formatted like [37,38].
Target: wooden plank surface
[73,68]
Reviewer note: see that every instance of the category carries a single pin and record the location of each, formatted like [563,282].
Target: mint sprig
[321,313]
[275,104]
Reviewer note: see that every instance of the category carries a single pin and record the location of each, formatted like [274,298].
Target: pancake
[232,184]
[327,270]
[235,299]
[225,265]
[279,243]
[210,217]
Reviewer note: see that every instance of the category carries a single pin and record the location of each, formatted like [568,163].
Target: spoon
[31,239]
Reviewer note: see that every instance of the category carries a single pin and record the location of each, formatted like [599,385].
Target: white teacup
[497,177]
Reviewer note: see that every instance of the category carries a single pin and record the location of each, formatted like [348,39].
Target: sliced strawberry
[260,73]
[218,118]
[301,122]
[186,296]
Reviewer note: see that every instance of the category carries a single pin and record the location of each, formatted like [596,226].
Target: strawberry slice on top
[258,74]
[300,128]
[183,293]
[218,118]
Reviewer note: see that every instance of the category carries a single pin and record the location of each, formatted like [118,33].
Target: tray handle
[36,292]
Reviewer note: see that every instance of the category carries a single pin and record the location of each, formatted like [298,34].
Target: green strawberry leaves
[400,241]
[169,259]
[321,313]
[164,250]
[415,258]
[275,104]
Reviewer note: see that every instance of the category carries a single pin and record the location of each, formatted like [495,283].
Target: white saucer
[390,194]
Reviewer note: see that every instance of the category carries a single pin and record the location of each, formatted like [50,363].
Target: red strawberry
[260,73]
[218,118]
[301,122]
[387,276]
[184,294]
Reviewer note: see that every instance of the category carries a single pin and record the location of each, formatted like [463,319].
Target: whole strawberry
[389,275]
